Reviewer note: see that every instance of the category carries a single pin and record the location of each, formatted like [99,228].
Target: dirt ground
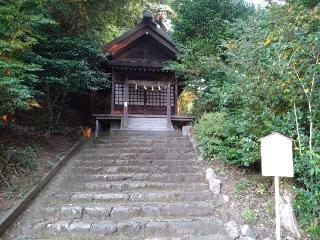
[251,199]
[49,149]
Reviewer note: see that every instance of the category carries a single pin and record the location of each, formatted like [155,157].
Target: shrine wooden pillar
[113,77]
[126,103]
[169,106]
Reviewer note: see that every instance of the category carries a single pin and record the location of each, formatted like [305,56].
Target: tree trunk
[297,127]
[288,219]
[60,109]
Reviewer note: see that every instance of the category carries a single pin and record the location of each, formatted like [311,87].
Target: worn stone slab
[125,211]
[107,227]
[70,212]
[96,212]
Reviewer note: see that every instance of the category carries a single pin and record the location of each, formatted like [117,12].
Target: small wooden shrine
[141,85]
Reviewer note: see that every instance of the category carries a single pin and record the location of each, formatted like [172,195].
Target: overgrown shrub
[271,72]
[307,202]
[225,137]
[15,161]
[307,209]
[211,132]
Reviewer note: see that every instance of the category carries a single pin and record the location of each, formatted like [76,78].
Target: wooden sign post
[276,161]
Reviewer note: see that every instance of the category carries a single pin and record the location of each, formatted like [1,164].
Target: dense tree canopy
[16,40]
[49,49]
[253,73]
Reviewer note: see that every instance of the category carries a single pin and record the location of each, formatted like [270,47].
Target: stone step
[155,128]
[132,229]
[147,119]
[175,237]
[128,156]
[142,138]
[111,150]
[134,169]
[136,144]
[118,186]
[141,132]
[147,125]
[147,162]
[78,186]
[129,197]
[130,185]
[161,178]
[121,212]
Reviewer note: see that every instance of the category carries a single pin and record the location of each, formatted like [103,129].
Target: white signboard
[125,104]
[276,155]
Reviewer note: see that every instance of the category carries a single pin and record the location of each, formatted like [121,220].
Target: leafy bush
[272,73]
[225,137]
[249,215]
[185,103]
[14,161]
[307,208]
[241,186]
[307,202]
[211,132]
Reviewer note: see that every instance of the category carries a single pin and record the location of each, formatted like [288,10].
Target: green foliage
[250,216]
[203,22]
[263,78]
[17,35]
[280,74]
[210,131]
[185,103]
[270,208]
[70,65]
[220,137]
[241,186]
[17,160]
[199,29]
[51,49]
[307,208]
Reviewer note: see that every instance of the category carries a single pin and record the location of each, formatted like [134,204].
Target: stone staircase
[128,187]
[148,124]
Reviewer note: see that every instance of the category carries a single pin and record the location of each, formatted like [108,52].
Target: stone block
[70,212]
[210,174]
[130,228]
[232,229]
[150,211]
[110,196]
[125,211]
[104,228]
[214,185]
[186,130]
[52,213]
[79,227]
[57,227]
[96,212]
[153,228]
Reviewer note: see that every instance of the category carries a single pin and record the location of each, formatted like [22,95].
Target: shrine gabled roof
[147,27]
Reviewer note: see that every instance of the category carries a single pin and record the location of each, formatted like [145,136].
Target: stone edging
[187,131]
[213,181]
[234,231]
[24,203]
